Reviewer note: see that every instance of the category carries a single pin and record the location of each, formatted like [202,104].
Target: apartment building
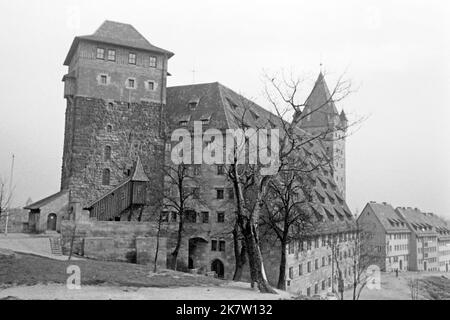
[387,236]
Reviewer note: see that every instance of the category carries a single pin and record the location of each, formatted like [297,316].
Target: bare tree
[180,197]
[251,187]
[364,256]
[6,194]
[288,213]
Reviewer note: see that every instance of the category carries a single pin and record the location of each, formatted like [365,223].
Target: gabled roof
[388,217]
[138,172]
[39,204]
[421,223]
[117,33]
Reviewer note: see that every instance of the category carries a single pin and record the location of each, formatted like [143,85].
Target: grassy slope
[30,270]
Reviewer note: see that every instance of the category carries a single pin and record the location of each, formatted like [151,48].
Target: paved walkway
[37,244]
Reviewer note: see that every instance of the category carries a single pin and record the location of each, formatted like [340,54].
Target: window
[329,282]
[308,291]
[291,247]
[323,261]
[152,62]
[309,267]
[213,245]
[103,79]
[191,216]
[174,216]
[300,269]
[230,193]
[316,243]
[316,288]
[308,245]
[316,264]
[205,216]
[222,245]
[196,193]
[221,217]
[219,193]
[329,260]
[323,285]
[132,58]
[131,83]
[164,216]
[183,123]
[100,53]
[150,85]
[291,273]
[106,177]
[192,105]
[111,55]
[109,128]
[220,170]
[107,153]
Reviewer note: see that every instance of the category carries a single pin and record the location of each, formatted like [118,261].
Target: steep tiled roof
[224,107]
[121,34]
[388,217]
[320,103]
[228,109]
[138,172]
[423,223]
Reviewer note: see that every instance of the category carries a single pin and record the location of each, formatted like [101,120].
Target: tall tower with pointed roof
[115,90]
[320,115]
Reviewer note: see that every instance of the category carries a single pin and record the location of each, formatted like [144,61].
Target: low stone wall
[112,241]
[146,250]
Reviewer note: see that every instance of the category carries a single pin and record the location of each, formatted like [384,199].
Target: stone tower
[115,91]
[321,115]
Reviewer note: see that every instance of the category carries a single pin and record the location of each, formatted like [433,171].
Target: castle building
[320,116]
[311,268]
[117,104]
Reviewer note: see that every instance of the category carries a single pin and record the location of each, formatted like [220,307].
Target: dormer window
[111,55]
[132,58]
[152,62]
[205,119]
[192,104]
[183,123]
[100,53]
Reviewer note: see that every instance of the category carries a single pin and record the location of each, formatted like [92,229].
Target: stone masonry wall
[129,129]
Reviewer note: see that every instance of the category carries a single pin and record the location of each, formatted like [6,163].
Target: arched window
[109,128]
[107,153]
[106,177]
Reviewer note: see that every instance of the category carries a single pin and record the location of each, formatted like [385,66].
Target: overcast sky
[395,52]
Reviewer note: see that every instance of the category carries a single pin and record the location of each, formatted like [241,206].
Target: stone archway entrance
[198,254]
[51,222]
[218,267]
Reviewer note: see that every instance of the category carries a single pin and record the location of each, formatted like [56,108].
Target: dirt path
[232,291]
[393,288]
